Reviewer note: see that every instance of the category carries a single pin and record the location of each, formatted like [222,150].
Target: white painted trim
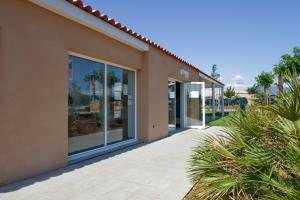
[105,105]
[198,83]
[203,105]
[184,105]
[106,147]
[222,101]
[72,53]
[101,150]
[80,16]
[213,103]
[173,79]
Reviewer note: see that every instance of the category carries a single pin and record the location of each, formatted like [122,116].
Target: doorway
[174,104]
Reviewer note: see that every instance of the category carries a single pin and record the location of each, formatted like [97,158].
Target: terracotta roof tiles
[123,28]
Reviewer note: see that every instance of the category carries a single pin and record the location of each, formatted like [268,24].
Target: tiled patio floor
[154,171]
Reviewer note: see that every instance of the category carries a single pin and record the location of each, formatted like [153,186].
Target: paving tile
[155,171]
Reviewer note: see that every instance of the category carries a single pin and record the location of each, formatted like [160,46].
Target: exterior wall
[34,46]
[163,67]
[143,100]
[33,75]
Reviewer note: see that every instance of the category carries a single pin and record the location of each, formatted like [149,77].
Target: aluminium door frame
[111,147]
[202,105]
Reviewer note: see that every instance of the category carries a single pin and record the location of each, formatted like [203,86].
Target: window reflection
[120,104]
[194,105]
[85,104]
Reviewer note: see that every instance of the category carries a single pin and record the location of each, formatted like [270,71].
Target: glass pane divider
[203,103]
[105,104]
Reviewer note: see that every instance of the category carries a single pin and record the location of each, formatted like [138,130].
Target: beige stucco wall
[34,46]
[163,67]
[33,84]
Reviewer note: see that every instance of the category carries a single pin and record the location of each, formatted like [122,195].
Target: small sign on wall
[184,73]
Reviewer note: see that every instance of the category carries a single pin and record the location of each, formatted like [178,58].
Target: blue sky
[241,37]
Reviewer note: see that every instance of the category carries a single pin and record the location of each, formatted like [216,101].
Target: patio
[155,170]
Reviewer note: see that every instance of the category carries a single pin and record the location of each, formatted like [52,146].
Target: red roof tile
[123,28]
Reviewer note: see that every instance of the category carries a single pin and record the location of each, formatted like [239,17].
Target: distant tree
[214,72]
[292,61]
[279,70]
[229,92]
[287,62]
[265,79]
[253,89]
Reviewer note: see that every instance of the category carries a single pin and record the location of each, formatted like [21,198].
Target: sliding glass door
[101,104]
[120,104]
[85,105]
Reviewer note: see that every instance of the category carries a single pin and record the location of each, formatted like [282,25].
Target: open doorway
[174,104]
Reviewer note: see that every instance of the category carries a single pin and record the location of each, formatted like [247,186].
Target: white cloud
[238,82]
[238,79]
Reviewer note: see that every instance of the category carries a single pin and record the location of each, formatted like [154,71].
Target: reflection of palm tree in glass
[99,74]
[73,100]
[114,105]
[92,78]
[74,94]
[95,103]
[112,78]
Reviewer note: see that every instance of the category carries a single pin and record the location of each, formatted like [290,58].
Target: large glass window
[120,104]
[87,127]
[86,104]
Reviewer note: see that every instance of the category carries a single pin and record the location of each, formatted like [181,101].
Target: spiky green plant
[259,156]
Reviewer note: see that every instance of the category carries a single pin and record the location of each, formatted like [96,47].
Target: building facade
[75,84]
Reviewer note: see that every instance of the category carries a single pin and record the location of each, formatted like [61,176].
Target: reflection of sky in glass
[84,68]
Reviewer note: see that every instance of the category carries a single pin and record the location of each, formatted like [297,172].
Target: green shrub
[259,156]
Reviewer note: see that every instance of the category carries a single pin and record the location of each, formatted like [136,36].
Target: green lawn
[220,121]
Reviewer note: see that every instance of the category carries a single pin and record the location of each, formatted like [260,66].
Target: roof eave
[69,11]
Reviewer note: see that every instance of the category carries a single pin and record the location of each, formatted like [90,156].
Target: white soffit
[209,79]
[74,13]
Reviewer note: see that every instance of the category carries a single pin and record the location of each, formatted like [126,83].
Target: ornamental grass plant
[257,158]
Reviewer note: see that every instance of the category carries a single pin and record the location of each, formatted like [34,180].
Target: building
[243,93]
[75,84]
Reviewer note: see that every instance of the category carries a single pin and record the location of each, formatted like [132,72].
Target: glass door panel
[120,104]
[194,105]
[85,105]
[87,101]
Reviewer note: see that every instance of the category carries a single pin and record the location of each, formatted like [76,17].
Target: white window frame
[111,147]
[203,105]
